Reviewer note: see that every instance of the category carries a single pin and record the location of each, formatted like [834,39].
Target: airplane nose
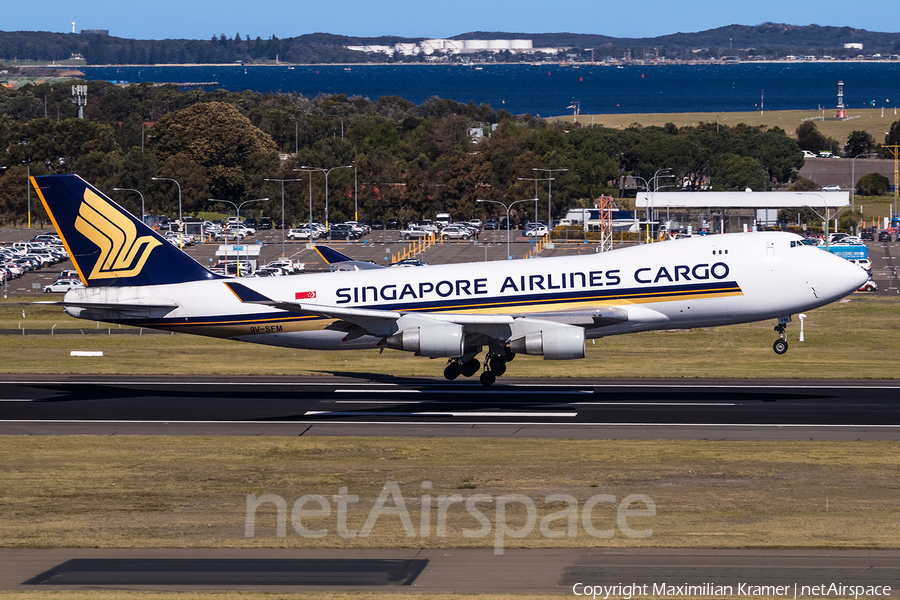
[844,277]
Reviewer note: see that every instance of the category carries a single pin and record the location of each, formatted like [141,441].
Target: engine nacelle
[438,340]
[557,343]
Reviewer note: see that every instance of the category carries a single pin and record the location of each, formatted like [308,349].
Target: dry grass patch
[192,492]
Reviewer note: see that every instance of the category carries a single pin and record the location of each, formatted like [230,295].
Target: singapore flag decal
[304,296]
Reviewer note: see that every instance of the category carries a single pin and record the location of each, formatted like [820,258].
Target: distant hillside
[769,40]
[778,38]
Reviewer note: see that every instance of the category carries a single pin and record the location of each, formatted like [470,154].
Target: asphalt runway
[440,570]
[341,406]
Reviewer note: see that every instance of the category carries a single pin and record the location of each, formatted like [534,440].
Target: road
[438,570]
[583,408]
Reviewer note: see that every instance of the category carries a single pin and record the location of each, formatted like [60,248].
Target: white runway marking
[493,392]
[439,414]
[654,403]
[418,423]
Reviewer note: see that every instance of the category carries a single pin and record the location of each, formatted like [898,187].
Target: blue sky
[161,19]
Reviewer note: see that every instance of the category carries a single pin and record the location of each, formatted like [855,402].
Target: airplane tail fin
[109,246]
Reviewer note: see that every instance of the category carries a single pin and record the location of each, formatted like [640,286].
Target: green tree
[859,142]
[892,137]
[873,184]
[219,138]
[810,138]
[802,184]
[734,173]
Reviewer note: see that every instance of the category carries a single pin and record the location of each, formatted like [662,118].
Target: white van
[442,220]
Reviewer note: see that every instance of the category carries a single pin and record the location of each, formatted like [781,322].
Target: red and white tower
[841,111]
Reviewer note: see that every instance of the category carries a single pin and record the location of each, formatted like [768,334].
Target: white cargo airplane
[546,307]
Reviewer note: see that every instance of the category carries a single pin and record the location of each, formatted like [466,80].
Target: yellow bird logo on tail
[122,252]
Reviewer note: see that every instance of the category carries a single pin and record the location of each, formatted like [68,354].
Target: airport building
[447,47]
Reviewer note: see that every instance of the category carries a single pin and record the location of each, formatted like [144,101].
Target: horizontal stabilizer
[109,305]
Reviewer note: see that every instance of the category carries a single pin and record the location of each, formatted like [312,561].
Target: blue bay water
[547,90]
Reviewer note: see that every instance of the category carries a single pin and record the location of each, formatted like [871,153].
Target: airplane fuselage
[696,282]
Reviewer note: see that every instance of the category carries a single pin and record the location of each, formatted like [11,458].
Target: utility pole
[895,150]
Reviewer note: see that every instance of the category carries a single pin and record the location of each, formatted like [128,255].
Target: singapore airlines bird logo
[122,252]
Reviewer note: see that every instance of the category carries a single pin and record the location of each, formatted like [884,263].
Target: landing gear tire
[509,355]
[488,378]
[452,370]
[470,367]
[497,365]
[780,346]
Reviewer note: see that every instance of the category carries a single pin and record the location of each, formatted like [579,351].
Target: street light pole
[136,191]
[550,193]
[282,210]
[507,207]
[327,172]
[853,179]
[535,180]
[181,226]
[237,212]
[826,218]
[28,188]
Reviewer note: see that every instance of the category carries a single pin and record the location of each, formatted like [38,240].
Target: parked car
[299,234]
[287,265]
[265,223]
[491,224]
[377,224]
[455,232]
[850,240]
[342,231]
[868,286]
[409,262]
[228,235]
[539,231]
[63,285]
[863,263]
[393,224]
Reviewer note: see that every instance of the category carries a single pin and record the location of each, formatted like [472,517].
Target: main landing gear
[781,346]
[494,367]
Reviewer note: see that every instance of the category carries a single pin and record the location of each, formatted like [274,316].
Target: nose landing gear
[781,346]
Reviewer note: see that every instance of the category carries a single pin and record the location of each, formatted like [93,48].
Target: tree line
[407,161]
[769,40]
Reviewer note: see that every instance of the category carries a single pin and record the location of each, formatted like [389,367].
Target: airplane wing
[342,262]
[374,320]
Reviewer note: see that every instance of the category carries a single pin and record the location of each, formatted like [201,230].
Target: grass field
[855,338]
[870,120]
[183,492]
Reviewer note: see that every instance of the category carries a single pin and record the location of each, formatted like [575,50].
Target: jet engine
[432,340]
[557,343]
